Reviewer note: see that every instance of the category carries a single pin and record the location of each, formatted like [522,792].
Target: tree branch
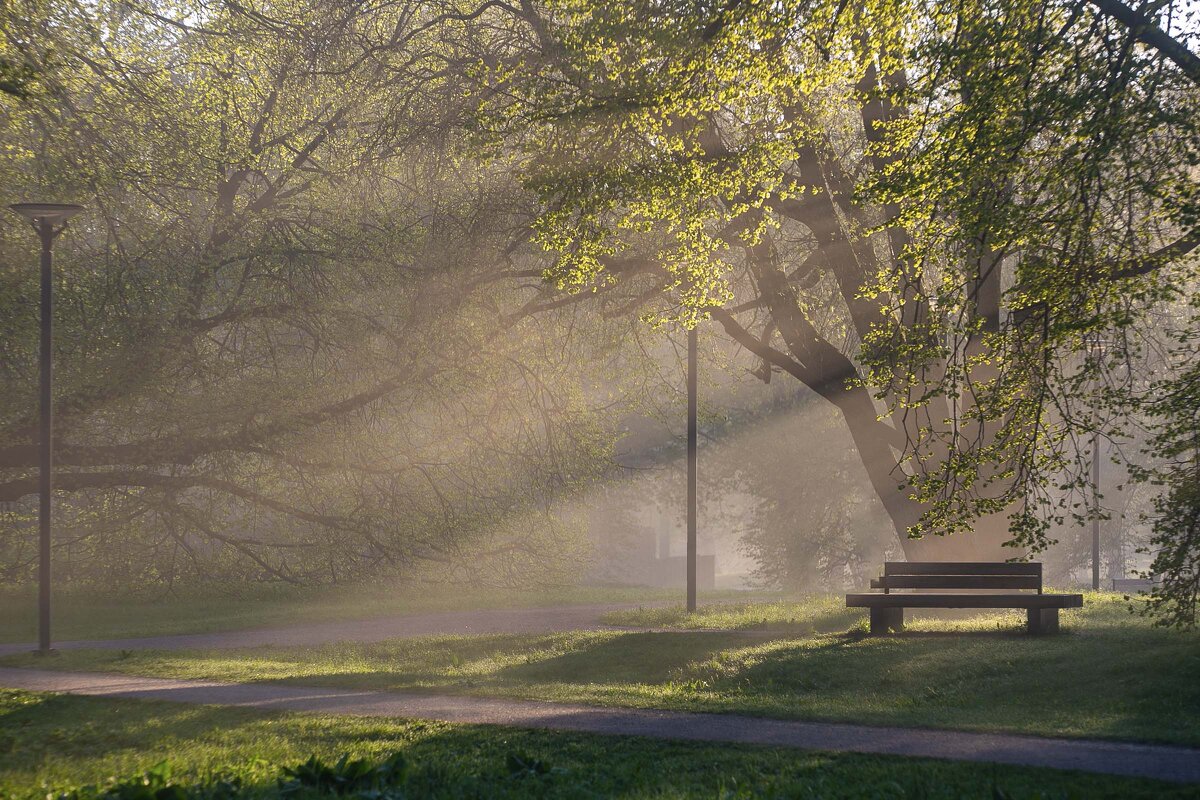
[1163,255]
[1148,33]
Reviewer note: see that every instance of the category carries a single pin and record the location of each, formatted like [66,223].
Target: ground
[1109,675]
[47,750]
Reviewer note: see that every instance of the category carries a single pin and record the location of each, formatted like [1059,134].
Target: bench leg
[885,619]
[1043,620]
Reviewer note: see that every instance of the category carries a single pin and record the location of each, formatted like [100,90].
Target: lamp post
[49,220]
[1096,512]
[1099,346]
[692,430]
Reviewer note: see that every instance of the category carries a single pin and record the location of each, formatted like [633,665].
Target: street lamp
[1096,512]
[49,220]
[692,430]
[1098,347]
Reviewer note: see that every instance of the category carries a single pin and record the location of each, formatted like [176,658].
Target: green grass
[53,743]
[815,614]
[81,613]
[1109,675]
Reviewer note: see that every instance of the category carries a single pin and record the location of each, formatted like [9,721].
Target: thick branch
[1160,257]
[830,387]
[1148,33]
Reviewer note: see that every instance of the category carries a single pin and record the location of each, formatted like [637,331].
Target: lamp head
[46,213]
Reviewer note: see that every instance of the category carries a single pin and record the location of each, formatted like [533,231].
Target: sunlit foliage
[992,188]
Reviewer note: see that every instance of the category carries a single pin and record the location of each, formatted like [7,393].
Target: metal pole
[1096,512]
[46,485]
[691,476]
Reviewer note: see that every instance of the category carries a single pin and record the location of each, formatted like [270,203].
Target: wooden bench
[961,584]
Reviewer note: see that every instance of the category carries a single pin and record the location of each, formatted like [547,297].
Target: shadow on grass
[625,658]
[74,727]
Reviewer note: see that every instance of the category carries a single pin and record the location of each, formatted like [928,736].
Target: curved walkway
[1178,764]
[516,620]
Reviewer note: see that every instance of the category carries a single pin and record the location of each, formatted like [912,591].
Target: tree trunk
[984,543]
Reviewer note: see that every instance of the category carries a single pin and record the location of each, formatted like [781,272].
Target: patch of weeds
[520,765]
[359,776]
[156,784]
[353,778]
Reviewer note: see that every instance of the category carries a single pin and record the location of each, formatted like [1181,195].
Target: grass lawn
[1109,675]
[86,614]
[53,743]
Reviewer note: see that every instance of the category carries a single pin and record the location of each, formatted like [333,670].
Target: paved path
[1146,761]
[517,620]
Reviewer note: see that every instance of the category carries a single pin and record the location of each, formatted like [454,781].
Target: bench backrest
[959,575]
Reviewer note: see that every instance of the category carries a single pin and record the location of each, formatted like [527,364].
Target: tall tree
[977,191]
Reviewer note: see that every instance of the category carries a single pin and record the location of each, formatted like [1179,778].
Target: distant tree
[814,524]
[281,349]
[1173,407]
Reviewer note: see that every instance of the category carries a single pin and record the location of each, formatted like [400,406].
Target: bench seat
[971,580]
[964,600]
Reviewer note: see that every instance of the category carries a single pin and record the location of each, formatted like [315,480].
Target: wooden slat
[964,600]
[957,582]
[960,568]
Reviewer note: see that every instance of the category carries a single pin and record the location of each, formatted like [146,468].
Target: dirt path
[517,620]
[1179,764]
